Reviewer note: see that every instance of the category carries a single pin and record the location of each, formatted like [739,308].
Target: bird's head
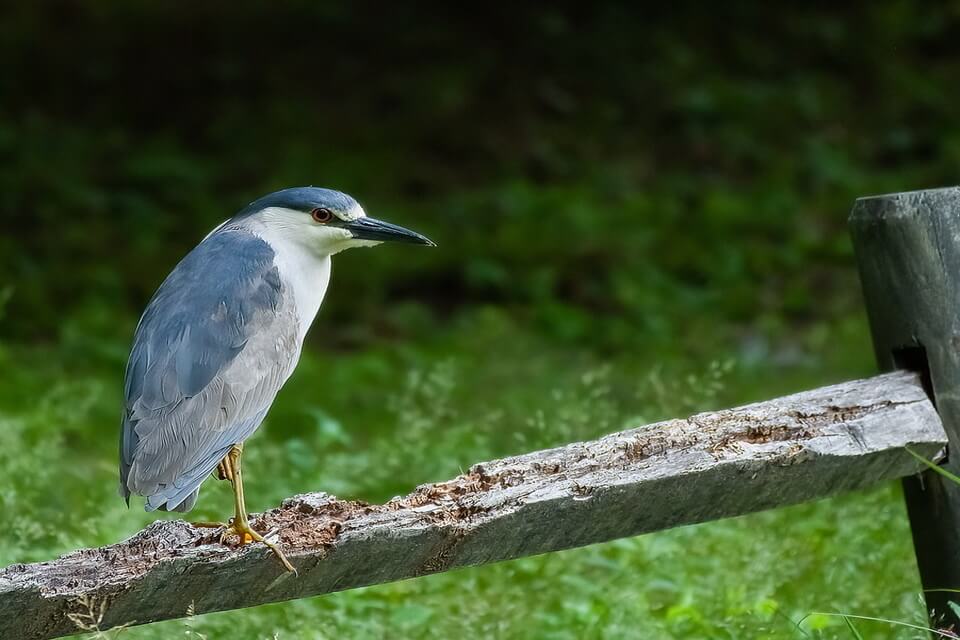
[323,220]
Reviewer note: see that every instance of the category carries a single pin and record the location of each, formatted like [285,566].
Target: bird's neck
[304,272]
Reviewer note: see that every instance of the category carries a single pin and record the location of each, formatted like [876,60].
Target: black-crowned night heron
[220,337]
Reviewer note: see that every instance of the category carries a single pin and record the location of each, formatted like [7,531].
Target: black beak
[373,229]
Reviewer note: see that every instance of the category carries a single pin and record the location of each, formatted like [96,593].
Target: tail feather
[186,505]
[182,494]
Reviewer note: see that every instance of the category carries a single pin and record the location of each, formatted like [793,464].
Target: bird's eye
[322,215]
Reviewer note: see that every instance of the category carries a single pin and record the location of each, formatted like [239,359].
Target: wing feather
[215,344]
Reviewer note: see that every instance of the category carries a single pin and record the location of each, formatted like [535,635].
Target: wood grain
[908,250]
[709,466]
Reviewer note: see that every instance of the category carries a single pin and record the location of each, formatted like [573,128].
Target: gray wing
[215,344]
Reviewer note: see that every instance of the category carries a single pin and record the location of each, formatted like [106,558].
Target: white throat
[302,251]
[304,272]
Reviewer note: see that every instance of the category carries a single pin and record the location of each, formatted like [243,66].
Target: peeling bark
[712,465]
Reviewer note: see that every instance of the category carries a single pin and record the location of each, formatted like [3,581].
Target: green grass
[638,218]
[373,423]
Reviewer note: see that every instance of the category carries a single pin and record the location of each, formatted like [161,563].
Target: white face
[300,228]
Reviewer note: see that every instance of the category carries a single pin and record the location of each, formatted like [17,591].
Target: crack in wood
[711,465]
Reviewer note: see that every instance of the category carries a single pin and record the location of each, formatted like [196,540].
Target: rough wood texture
[908,248]
[709,466]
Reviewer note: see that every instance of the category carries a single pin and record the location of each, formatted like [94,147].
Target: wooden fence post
[908,250]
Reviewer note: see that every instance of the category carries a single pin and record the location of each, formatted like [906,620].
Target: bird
[221,336]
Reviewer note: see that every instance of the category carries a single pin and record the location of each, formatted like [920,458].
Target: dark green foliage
[621,196]
[606,161]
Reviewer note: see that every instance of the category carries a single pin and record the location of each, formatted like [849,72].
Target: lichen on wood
[709,466]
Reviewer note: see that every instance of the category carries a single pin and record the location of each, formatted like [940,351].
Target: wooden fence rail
[712,465]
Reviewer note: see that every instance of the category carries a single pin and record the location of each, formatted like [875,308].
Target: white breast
[307,278]
[305,274]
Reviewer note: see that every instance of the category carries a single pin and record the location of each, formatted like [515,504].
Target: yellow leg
[224,472]
[239,526]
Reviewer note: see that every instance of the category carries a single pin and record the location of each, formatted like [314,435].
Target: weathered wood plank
[908,249]
[709,466]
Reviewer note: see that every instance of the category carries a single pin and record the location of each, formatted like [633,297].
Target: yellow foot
[247,535]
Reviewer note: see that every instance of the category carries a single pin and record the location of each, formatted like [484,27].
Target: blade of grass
[954,607]
[853,629]
[938,632]
[793,623]
[934,466]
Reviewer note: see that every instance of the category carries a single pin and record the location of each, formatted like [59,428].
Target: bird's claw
[247,535]
[245,538]
[230,529]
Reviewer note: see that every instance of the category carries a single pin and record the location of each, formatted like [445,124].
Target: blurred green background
[641,214]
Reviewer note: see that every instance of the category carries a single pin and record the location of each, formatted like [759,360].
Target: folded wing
[215,344]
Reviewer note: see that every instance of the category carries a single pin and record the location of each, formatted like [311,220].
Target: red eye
[322,215]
